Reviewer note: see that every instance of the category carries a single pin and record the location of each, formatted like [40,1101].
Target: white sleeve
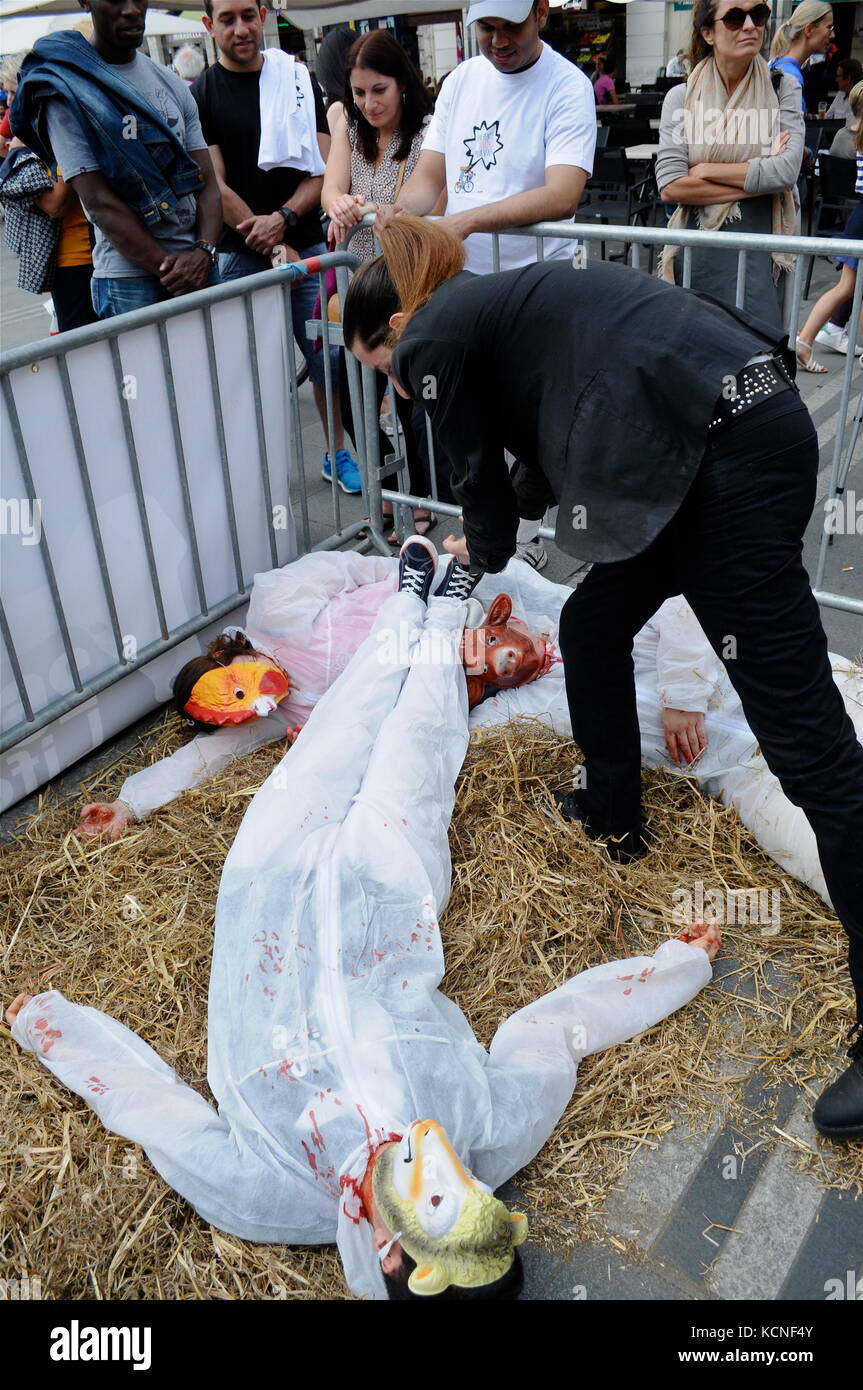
[610,1003]
[436,130]
[534,1055]
[687,668]
[203,757]
[570,131]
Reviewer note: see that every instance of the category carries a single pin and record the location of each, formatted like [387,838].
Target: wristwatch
[291,218]
[209,248]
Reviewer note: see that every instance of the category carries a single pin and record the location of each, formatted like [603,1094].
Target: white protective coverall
[309,615]
[327,1030]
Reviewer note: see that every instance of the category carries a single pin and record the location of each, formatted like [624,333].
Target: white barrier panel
[167,558]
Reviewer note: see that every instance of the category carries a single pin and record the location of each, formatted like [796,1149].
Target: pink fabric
[602,90]
[315,654]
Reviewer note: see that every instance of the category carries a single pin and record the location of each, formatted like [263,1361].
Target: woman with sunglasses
[730,149]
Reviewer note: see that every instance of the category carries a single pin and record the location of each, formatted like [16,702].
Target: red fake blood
[317,1137]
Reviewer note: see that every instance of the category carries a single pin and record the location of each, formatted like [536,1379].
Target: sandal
[387,525]
[809,363]
[424,519]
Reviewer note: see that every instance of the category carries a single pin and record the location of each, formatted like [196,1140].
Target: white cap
[513,10]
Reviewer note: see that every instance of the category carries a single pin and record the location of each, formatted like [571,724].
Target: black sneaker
[458,582]
[624,849]
[417,566]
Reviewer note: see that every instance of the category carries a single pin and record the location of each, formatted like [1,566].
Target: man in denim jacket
[127,136]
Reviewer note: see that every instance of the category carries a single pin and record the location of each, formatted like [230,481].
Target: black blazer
[601,381]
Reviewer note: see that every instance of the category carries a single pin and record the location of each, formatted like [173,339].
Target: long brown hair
[381,52]
[419,256]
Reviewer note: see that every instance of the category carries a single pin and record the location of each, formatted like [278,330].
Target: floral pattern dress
[378,184]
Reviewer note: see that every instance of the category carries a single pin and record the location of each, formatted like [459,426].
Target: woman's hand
[779,143]
[386,212]
[457,546]
[104,818]
[344,211]
[685,737]
[293,732]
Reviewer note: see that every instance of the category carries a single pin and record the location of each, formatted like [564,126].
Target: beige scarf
[725,129]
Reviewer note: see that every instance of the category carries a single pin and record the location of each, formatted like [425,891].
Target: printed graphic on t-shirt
[165,103]
[482,149]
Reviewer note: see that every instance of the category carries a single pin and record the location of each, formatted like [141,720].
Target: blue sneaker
[347,473]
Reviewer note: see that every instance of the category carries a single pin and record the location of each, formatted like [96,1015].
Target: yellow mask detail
[233,694]
[455,1230]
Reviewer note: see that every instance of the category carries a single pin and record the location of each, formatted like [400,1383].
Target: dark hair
[220,652]
[330,69]
[370,302]
[380,52]
[702,18]
[850,68]
[508,1286]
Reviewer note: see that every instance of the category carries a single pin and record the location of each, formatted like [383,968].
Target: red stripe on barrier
[313,263]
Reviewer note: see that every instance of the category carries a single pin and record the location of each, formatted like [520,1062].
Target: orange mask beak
[236,693]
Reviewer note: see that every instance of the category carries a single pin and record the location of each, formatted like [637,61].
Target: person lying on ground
[354,1103]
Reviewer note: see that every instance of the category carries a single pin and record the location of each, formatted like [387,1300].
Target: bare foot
[703,934]
[16,1006]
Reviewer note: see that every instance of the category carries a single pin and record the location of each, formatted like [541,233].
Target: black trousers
[71,295]
[734,549]
[404,408]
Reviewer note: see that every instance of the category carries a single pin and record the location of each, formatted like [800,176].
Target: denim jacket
[150,173]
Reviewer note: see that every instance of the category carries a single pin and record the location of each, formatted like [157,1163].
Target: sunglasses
[736,18]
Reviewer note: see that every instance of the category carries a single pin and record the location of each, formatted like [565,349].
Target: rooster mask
[233,694]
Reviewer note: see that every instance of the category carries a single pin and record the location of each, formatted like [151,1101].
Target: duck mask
[232,694]
[502,653]
[449,1223]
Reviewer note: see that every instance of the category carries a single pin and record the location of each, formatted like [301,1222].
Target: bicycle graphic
[465,183]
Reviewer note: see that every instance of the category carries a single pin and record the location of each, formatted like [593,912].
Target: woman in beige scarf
[730,148]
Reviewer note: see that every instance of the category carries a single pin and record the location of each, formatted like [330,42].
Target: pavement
[675,1229]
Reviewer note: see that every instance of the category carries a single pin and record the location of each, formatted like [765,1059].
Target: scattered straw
[127,927]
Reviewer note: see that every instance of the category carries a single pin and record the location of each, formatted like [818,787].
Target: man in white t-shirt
[511,139]
[511,142]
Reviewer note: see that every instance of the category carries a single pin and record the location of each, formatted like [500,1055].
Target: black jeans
[71,295]
[416,473]
[734,549]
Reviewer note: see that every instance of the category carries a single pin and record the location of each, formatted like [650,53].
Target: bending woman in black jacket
[669,432]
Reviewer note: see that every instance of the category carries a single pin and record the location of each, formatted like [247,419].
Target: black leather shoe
[622,848]
[838,1112]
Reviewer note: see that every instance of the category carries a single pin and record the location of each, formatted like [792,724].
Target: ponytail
[808,13]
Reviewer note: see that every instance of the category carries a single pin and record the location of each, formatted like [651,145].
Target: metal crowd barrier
[221,390]
[638,240]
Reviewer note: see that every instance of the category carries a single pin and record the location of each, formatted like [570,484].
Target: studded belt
[757,382]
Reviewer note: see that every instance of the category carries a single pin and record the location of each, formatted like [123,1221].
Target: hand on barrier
[184,271]
[344,211]
[385,213]
[703,934]
[104,818]
[685,736]
[263,232]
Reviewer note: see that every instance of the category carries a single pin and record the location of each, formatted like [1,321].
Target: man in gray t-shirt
[134,265]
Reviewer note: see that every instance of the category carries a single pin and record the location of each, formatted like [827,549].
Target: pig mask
[502,653]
